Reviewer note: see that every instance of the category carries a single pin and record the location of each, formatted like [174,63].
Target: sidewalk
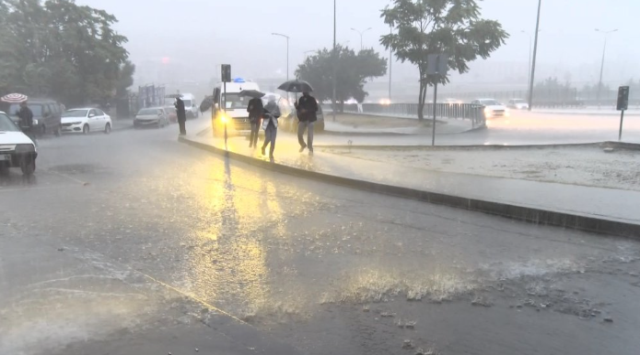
[591,202]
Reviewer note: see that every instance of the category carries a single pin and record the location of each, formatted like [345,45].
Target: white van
[190,105]
[232,108]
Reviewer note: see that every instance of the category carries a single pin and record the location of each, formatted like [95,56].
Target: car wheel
[107,128]
[85,129]
[28,167]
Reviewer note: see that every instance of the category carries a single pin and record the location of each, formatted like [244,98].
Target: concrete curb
[608,144]
[519,213]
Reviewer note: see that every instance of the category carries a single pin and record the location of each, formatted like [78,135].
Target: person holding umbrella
[182,115]
[255,110]
[307,107]
[271,114]
[26,120]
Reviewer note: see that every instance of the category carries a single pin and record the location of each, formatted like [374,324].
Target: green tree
[62,50]
[352,72]
[453,27]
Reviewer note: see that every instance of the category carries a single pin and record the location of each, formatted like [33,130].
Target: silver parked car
[153,116]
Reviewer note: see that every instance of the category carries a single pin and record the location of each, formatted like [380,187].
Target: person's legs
[183,129]
[301,127]
[272,137]
[253,138]
[310,136]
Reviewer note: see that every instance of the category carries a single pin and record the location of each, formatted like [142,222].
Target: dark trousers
[183,127]
[255,130]
[270,135]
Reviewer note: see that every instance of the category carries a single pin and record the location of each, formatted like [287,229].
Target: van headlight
[487,112]
[25,148]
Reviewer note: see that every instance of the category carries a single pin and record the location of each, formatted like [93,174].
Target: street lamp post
[533,60]
[335,61]
[287,37]
[604,50]
[390,64]
[530,49]
[361,33]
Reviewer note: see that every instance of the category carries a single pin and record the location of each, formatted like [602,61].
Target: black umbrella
[296,86]
[206,103]
[252,93]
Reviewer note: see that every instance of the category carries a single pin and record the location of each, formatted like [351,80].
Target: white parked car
[153,116]
[492,108]
[86,120]
[518,104]
[16,149]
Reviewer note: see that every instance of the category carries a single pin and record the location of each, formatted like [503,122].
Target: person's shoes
[302,148]
[250,145]
[310,151]
[271,158]
[263,152]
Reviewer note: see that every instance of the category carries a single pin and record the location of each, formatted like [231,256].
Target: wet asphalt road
[134,243]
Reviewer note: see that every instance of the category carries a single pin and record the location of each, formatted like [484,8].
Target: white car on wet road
[86,120]
[492,108]
[16,149]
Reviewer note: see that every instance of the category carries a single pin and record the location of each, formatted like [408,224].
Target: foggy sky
[201,34]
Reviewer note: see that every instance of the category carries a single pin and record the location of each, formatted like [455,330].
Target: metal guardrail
[472,112]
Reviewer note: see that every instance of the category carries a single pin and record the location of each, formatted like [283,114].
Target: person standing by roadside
[270,125]
[307,107]
[182,116]
[255,110]
[26,120]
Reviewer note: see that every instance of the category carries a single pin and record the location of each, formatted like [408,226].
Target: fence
[474,113]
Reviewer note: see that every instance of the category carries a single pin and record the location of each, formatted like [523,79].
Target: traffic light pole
[621,122]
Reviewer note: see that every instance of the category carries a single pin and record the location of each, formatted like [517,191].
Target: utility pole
[535,54]
[335,61]
[604,51]
[287,37]
[361,33]
[390,63]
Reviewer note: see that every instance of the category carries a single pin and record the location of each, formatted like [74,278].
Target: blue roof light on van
[239,80]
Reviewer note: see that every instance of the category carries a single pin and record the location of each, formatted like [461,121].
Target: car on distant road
[191,107]
[518,104]
[153,116]
[492,108]
[16,149]
[86,120]
[452,101]
[172,113]
[46,115]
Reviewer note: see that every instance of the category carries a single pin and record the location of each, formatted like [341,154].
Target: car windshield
[75,113]
[423,208]
[148,112]
[7,125]
[235,101]
[35,108]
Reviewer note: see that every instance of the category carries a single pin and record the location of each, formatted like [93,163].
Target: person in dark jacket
[255,110]
[307,108]
[26,120]
[182,116]
[270,125]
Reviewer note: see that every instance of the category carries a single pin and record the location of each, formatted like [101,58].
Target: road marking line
[68,177]
[192,297]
